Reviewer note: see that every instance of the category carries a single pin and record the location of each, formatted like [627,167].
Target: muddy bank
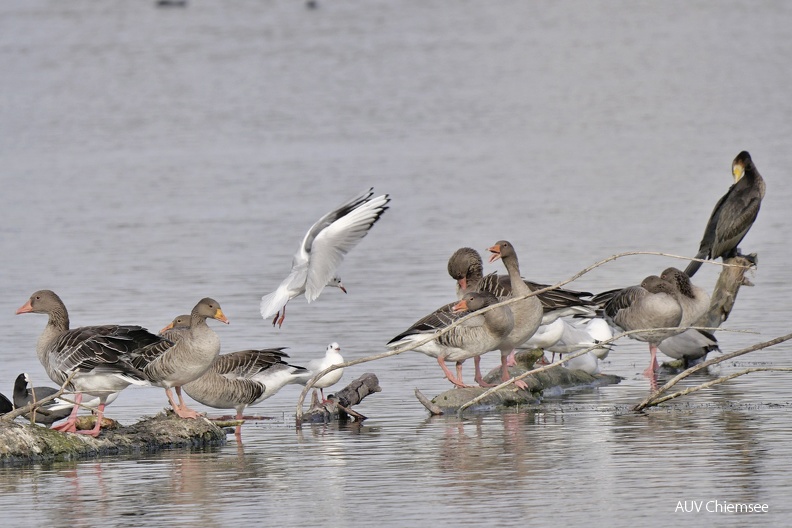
[24,443]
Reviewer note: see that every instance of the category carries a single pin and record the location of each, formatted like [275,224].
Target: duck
[471,338]
[5,405]
[172,364]
[527,312]
[465,266]
[315,366]
[48,413]
[322,250]
[98,358]
[238,379]
[733,215]
[652,305]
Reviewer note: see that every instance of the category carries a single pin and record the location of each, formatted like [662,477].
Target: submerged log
[25,443]
[339,405]
[557,380]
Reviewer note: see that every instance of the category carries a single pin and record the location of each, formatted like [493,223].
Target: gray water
[151,157]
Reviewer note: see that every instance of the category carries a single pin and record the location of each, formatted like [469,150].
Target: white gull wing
[330,244]
[313,259]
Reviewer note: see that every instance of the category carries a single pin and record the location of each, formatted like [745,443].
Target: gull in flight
[322,250]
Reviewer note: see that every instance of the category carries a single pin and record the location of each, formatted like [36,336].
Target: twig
[38,403]
[650,400]
[718,381]
[399,350]
[426,402]
[574,355]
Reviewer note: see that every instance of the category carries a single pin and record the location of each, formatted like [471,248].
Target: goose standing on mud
[465,266]
[733,215]
[171,365]
[527,312]
[98,357]
[322,250]
[652,306]
[239,379]
[472,338]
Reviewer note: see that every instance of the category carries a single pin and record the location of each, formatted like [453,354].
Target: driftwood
[557,379]
[25,443]
[339,405]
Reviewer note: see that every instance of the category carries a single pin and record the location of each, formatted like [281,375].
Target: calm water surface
[151,157]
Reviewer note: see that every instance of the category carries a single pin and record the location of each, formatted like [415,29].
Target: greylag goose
[691,345]
[48,413]
[315,366]
[694,300]
[465,266]
[733,215]
[239,379]
[652,305]
[322,250]
[527,312]
[171,364]
[472,338]
[98,357]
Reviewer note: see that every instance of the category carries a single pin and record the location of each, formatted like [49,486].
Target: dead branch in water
[718,381]
[340,404]
[654,398]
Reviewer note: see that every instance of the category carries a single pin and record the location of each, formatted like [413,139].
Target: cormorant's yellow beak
[738,171]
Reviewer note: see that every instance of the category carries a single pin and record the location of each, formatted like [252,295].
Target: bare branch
[650,400]
[21,411]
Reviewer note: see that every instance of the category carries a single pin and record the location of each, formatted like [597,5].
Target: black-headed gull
[733,215]
[322,250]
[315,366]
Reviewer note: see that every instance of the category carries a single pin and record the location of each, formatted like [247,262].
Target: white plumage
[315,263]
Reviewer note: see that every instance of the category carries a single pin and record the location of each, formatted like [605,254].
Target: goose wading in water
[98,357]
[48,413]
[465,266]
[472,338]
[315,366]
[239,379]
[652,306]
[527,312]
[171,364]
[322,250]
[733,215]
